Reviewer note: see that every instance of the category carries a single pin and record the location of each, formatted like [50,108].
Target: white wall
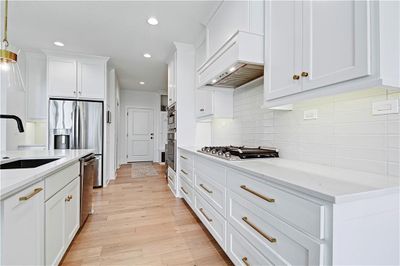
[345,135]
[139,99]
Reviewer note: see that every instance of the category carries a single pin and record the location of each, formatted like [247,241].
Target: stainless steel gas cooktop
[234,153]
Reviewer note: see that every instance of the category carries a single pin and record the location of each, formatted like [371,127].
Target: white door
[62,78]
[283,33]
[91,79]
[22,240]
[72,208]
[335,42]
[140,134]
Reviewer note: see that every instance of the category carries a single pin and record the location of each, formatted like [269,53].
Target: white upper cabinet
[91,79]
[232,16]
[76,76]
[335,42]
[61,77]
[283,50]
[172,80]
[22,227]
[36,86]
[214,104]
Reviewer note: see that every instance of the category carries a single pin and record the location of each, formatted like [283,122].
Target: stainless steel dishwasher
[89,172]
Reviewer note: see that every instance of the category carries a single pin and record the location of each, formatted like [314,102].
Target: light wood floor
[137,221]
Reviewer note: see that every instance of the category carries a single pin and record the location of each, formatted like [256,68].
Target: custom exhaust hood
[239,61]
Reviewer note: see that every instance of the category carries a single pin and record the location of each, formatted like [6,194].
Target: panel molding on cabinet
[91,79]
[61,76]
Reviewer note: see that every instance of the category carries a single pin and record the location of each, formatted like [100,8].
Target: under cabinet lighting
[232,69]
[152,21]
[213,81]
[60,44]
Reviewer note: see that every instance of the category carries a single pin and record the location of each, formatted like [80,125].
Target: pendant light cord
[5,41]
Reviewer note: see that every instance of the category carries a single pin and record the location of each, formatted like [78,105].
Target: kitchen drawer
[270,234]
[303,214]
[186,171]
[185,156]
[214,222]
[241,252]
[172,180]
[214,171]
[212,192]
[58,180]
[187,192]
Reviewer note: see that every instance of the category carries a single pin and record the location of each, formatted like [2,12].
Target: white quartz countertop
[14,180]
[331,184]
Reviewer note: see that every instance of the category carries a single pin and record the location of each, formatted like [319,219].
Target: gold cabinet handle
[184,172]
[296,77]
[269,238]
[68,198]
[184,190]
[205,215]
[183,157]
[206,189]
[33,193]
[244,259]
[304,74]
[257,194]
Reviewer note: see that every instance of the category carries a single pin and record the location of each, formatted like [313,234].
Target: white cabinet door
[62,77]
[91,79]
[282,48]
[335,42]
[36,86]
[204,103]
[55,228]
[172,80]
[72,207]
[22,227]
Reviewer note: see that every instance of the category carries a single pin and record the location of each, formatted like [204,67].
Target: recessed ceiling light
[152,21]
[141,83]
[58,44]
[147,55]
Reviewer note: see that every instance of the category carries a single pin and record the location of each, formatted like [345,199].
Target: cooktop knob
[227,154]
[220,153]
[213,151]
[208,149]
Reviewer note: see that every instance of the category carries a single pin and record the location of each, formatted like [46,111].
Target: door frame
[126,129]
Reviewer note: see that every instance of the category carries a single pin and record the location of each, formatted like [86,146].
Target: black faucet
[16,118]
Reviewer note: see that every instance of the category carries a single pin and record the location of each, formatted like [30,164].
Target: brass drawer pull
[184,172]
[304,74]
[257,194]
[269,238]
[296,77]
[68,198]
[205,215]
[244,259]
[206,189]
[184,190]
[34,192]
[183,157]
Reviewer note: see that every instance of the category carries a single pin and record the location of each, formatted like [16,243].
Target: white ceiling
[112,28]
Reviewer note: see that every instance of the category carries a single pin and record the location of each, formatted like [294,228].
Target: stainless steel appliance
[234,153]
[81,123]
[171,138]
[89,172]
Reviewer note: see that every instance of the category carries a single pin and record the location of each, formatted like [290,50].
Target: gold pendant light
[10,75]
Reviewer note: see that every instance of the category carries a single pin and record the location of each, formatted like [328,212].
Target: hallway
[137,221]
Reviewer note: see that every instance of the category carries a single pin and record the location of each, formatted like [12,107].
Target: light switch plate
[385,107]
[311,114]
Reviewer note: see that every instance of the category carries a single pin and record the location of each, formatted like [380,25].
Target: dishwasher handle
[90,161]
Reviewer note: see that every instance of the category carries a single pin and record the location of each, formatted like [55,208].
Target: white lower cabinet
[22,227]
[62,221]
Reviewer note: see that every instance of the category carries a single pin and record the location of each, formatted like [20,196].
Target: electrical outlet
[311,114]
[385,107]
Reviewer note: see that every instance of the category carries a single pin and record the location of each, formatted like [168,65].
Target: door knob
[304,74]
[296,77]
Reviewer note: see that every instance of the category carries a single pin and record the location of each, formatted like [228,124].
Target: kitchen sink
[26,163]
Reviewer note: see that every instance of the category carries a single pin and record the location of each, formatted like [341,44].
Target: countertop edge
[334,199]
[11,190]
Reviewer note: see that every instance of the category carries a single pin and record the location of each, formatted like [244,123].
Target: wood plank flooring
[137,221]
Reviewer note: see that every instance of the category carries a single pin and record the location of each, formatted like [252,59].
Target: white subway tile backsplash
[346,134]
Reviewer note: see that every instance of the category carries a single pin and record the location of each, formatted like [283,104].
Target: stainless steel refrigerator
[75,124]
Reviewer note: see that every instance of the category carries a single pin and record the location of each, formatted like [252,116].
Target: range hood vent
[239,61]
